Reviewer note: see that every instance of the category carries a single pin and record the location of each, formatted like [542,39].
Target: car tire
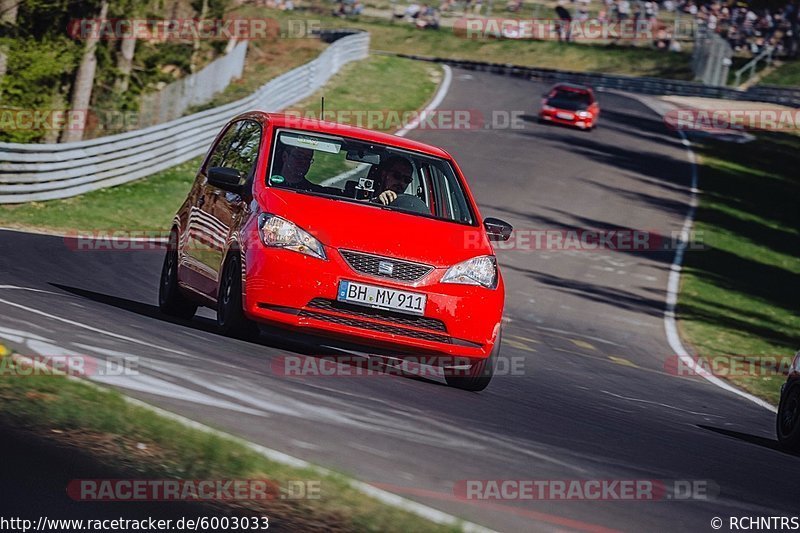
[479,374]
[787,423]
[170,299]
[230,314]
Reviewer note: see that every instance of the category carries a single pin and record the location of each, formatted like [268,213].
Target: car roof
[572,87]
[297,122]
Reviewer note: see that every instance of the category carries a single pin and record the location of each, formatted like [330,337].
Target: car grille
[378,314]
[370,264]
[383,328]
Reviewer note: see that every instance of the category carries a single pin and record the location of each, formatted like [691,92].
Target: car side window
[238,148]
[217,158]
[243,152]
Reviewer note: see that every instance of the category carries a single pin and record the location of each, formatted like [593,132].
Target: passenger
[295,163]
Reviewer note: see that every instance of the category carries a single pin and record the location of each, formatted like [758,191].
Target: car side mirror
[496,229]
[225,178]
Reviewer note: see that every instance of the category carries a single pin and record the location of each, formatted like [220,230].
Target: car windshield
[572,100]
[368,173]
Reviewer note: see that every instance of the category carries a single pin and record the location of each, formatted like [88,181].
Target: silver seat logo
[385,267]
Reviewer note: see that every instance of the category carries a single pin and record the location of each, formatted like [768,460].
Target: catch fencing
[171,101]
[37,172]
[711,58]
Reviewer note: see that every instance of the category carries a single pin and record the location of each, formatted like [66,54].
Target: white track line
[429,513]
[674,280]
[90,328]
[437,99]
[673,285]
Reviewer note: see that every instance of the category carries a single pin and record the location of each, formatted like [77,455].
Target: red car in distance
[343,232]
[571,105]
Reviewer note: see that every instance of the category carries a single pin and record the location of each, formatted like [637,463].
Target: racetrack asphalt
[596,398]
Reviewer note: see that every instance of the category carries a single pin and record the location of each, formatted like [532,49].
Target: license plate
[565,116]
[382,298]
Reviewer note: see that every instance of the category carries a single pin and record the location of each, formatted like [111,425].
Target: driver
[394,174]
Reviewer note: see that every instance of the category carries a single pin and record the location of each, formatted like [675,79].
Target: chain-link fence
[171,101]
[711,58]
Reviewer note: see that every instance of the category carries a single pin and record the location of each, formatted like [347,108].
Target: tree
[8,18]
[84,80]
[196,43]
[125,64]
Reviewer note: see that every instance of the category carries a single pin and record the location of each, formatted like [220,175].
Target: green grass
[376,83]
[787,74]
[101,420]
[147,204]
[741,295]
[401,37]
[609,59]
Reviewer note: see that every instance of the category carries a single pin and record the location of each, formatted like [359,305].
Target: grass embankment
[403,38]
[787,74]
[266,59]
[136,440]
[741,295]
[607,59]
[376,83]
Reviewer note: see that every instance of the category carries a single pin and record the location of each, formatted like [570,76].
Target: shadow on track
[301,344]
[752,439]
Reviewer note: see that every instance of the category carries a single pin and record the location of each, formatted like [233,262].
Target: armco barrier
[655,86]
[35,172]
[170,102]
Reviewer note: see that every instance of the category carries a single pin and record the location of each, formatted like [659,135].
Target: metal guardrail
[36,172]
[751,65]
[656,86]
[171,101]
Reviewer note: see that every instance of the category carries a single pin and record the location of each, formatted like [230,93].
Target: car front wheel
[788,420]
[479,374]
[170,299]
[230,316]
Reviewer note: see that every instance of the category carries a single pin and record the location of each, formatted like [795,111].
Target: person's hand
[387,197]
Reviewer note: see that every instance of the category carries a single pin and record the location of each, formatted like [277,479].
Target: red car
[341,231]
[571,105]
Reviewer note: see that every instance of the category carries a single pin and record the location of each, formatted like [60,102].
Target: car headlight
[476,271]
[546,107]
[277,232]
[584,114]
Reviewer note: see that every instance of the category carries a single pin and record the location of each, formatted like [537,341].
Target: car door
[214,212]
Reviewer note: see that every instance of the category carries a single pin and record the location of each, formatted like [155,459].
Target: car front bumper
[296,291]
[552,116]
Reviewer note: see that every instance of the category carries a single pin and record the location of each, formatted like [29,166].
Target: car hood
[369,228]
[566,104]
